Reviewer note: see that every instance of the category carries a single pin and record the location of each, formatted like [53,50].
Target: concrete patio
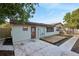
[5,47]
[41,48]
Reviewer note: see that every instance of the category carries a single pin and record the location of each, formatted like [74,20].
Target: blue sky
[52,12]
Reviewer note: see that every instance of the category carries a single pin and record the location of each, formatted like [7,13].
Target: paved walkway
[67,46]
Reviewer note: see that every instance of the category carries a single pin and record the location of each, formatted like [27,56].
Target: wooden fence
[5,32]
[75,31]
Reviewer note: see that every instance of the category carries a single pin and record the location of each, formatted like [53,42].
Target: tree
[67,18]
[75,17]
[21,11]
[72,19]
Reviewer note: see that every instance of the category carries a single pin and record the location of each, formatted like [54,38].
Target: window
[25,28]
[58,28]
[50,29]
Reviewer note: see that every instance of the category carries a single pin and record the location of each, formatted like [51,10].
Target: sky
[52,12]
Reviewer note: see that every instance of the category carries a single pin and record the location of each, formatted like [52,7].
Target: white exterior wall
[18,34]
[40,31]
[51,33]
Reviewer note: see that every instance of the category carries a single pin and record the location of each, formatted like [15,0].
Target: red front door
[33,32]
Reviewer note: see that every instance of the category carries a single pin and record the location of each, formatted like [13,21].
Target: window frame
[25,28]
[50,29]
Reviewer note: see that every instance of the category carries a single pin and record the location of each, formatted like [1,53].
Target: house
[33,31]
[60,27]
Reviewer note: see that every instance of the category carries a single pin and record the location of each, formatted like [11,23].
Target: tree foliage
[23,11]
[72,19]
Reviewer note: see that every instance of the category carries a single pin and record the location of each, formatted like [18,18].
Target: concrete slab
[48,51]
[41,48]
[69,53]
[67,46]
[6,47]
[31,47]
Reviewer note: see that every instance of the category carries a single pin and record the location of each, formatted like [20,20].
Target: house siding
[51,33]
[18,34]
[40,32]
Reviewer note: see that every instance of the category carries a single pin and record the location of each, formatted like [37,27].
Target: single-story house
[33,31]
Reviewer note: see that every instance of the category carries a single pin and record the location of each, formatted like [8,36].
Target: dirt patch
[6,53]
[62,41]
[8,41]
[75,48]
[56,39]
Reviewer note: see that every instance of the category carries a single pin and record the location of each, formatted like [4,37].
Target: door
[33,32]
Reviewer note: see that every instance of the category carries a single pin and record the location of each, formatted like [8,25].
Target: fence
[5,32]
[75,31]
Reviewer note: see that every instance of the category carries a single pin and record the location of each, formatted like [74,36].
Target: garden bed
[56,39]
[62,41]
[75,48]
[6,53]
[8,41]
